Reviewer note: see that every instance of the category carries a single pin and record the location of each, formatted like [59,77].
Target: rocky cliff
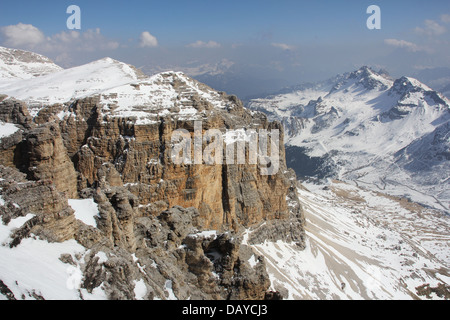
[175,230]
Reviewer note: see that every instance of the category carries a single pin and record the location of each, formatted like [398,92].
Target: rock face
[43,156]
[53,218]
[154,215]
[114,150]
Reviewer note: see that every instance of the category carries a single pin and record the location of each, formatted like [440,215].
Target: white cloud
[201,44]
[147,40]
[66,37]
[282,46]
[445,18]
[26,36]
[88,41]
[64,47]
[431,28]
[22,35]
[409,46]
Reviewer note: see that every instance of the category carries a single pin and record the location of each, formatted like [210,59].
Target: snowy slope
[19,65]
[360,245]
[49,277]
[124,91]
[167,93]
[69,84]
[360,126]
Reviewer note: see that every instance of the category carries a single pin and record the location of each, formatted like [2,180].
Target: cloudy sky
[294,41]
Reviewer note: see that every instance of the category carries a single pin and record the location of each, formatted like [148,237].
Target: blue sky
[180,22]
[286,39]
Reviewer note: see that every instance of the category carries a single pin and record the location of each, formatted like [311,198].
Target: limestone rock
[195,265]
[53,220]
[121,151]
[15,111]
[44,157]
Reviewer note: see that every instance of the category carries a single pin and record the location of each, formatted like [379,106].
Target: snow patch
[169,290]
[204,234]
[85,210]
[7,129]
[140,289]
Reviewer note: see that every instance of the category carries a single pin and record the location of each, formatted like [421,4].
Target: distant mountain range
[251,82]
[362,126]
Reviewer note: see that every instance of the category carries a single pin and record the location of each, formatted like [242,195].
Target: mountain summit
[366,77]
[19,64]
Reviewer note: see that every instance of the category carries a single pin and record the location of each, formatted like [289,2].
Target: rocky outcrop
[174,260]
[14,111]
[119,151]
[42,156]
[53,218]
[160,250]
[442,290]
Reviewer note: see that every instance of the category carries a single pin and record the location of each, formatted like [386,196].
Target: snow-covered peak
[364,77]
[123,91]
[19,64]
[74,83]
[167,93]
[362,72]
[410,91]
[404,85]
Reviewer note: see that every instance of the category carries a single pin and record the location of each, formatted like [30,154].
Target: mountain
[370,129]
[193,68]
[19,64]
[93,205]
[446,90]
